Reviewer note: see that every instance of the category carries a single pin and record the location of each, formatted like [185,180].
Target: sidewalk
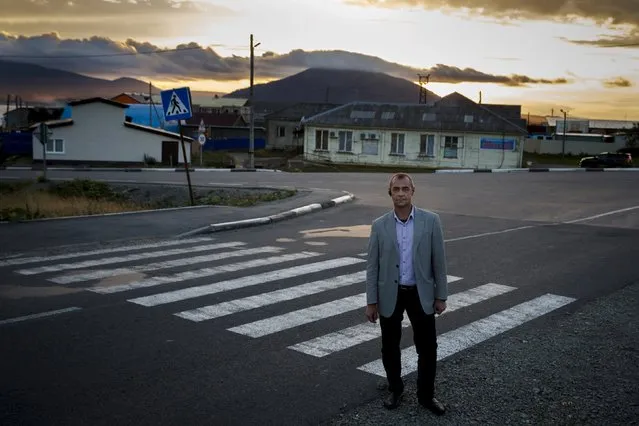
[97,230]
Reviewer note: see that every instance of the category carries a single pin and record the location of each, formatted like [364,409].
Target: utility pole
[563,144]
[252,110]
[422,90]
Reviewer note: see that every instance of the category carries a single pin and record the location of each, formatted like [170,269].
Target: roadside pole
[176,104]
[43,135]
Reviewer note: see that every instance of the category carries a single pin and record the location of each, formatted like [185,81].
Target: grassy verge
[347,168]
[567,160]
[27,200]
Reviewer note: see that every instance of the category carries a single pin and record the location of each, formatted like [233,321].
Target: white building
[452,132]
[98,132]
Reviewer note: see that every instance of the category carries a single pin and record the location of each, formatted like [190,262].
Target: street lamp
[252,111]
[563,144]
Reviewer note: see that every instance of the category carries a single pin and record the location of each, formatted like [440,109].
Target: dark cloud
[103,56]
[121,18]
[629,40]
[617,82]
[605,12]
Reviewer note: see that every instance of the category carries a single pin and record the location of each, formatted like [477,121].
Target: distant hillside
[335,86]
[35,83]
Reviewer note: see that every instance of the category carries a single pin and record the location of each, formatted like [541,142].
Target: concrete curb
[265,220]
[134,169]
[541,169]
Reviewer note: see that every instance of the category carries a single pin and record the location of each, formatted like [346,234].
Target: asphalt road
[113,351]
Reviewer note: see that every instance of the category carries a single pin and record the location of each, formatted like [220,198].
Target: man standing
[406,271]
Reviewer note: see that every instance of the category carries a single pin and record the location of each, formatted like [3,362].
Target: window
[55,146]
[468,118]
[451,143]
[321,140]
[427,145]
[397,143]
[388,115]
[281,131]
[345,141]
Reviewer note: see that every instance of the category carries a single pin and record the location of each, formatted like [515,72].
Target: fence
[573,147]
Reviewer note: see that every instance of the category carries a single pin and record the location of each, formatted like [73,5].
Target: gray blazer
[429,262]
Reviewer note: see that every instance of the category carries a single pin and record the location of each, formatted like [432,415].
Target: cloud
[617,82]
[609,12]
[125,18]
[627,40]
[102,56]
[605,13]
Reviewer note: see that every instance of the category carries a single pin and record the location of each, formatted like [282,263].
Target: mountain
[335,86]
[35,83]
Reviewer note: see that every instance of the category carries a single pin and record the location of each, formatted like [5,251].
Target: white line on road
[352,336]
[476,332]
[300,317]
[127,258]
[597,216]
[246,281]
[201,273]
[40,315]
[104,273]
[264,299]
[102,251]
[485,234]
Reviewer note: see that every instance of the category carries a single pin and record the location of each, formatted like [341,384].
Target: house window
[451,144]
[427,145]
[397,143]
[281,131]
[55,146]
[321,140]
[345,141]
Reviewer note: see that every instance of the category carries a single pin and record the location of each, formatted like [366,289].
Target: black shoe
[392,400]
[433,405]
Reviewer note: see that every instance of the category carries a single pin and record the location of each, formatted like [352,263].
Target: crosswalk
[187,272]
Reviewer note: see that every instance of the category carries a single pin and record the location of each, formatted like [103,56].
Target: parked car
[607,159]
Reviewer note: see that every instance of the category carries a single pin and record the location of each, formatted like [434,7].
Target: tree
[632,136]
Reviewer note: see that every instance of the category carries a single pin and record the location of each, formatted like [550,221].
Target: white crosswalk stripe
[270,278]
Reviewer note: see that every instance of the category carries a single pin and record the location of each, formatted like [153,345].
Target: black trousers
[424,336]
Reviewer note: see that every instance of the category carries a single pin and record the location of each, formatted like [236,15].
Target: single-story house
[452,132]
[99,132]
[284,129]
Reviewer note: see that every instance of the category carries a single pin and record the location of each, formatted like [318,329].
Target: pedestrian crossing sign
[176,104]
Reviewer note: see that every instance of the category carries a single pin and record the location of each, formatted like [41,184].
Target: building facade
[98,132]
[453,132]
[284,129]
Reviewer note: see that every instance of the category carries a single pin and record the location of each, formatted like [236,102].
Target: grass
[567,160]
[28,200]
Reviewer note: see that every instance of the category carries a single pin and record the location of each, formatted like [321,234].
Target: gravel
[580,369]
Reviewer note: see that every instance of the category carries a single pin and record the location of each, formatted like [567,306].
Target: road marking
[352,336]
[245,281]
[104,273]
[476,332]
[36,259]
[257,301]
[127,258]
[597,216]
[486,234]
[300,317]
[40,315]
[201,273]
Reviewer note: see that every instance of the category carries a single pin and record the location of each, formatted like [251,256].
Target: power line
[106,55]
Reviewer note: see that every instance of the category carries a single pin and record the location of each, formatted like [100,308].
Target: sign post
[201,139]
[176,104]
[43,134]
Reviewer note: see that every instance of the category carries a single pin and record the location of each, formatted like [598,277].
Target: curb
[265,220]
[541,169]
[134,169]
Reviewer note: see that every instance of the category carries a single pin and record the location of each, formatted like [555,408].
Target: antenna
[422,90]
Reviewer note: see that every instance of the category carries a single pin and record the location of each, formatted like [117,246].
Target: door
[170,153]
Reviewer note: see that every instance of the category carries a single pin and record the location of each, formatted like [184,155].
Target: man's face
[401,192]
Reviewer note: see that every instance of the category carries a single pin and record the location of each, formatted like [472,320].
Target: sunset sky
[541,54]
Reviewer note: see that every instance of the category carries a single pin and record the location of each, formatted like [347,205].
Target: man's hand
[440,306]
[371,312]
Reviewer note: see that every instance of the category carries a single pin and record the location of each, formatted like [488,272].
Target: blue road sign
[176,104]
